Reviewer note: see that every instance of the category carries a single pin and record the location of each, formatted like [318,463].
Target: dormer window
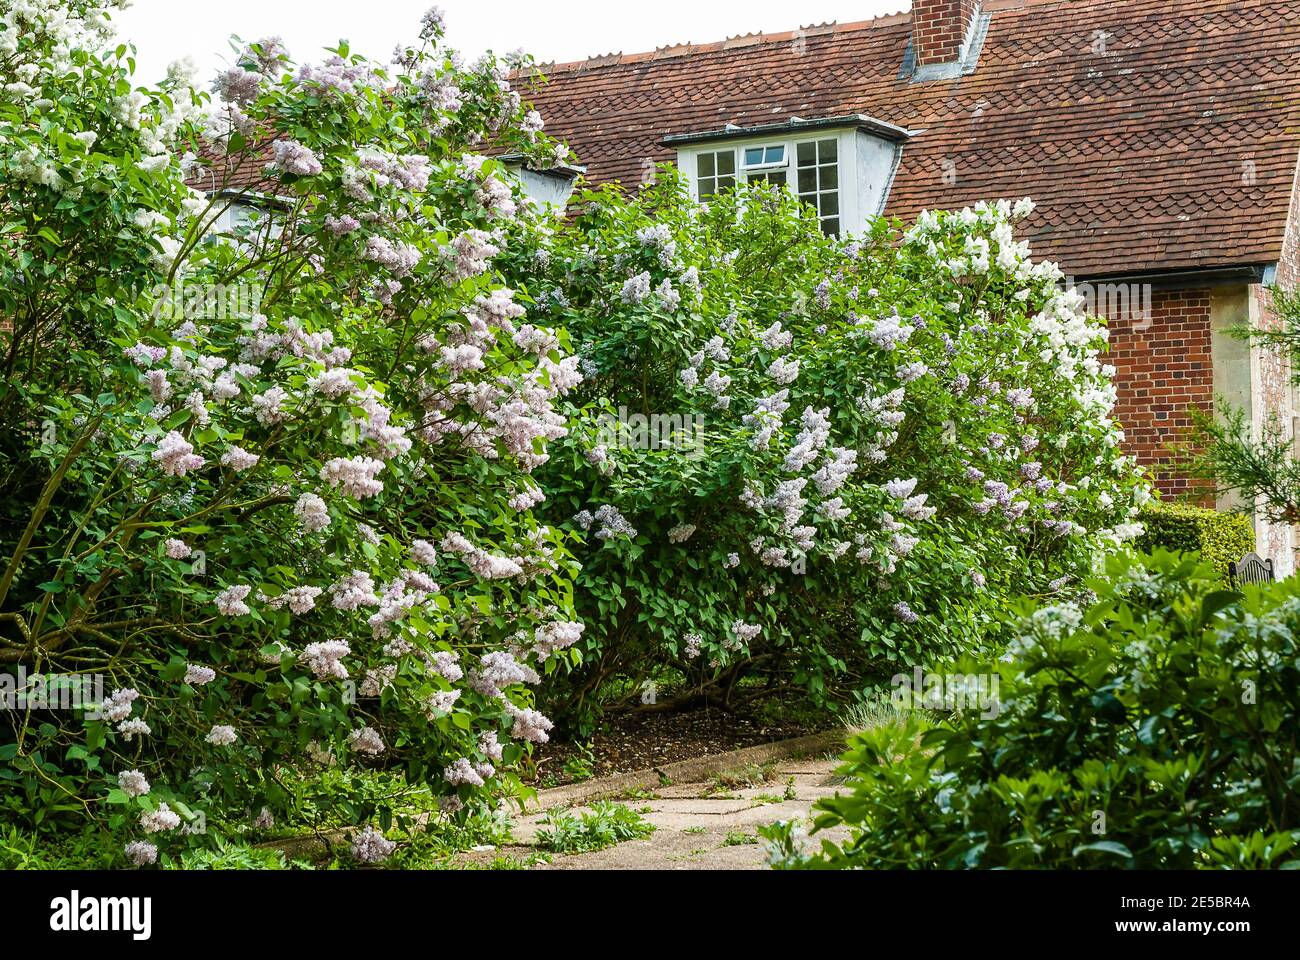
[840,166]
[766,164]
[818,181]
[715,172]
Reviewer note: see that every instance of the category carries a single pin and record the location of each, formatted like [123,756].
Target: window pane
[753,156]
[808,180]
[726,162]
[706,187]
[830,204]
[726,183]
[806,153]
[705,168]
[826,151]
[775,155]
[830,177]
[831,226]
[776,176]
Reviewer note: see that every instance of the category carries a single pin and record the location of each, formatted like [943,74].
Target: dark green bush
[1156,729]
[1220,538]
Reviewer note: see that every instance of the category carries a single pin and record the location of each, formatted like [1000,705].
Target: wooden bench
[1251,568]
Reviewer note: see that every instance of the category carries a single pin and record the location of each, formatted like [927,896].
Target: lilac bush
[811,459]
[288,537]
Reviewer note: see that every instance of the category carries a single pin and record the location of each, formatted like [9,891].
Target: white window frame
[865,166]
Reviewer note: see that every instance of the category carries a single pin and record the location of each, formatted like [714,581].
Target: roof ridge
[728,43]
[759,37]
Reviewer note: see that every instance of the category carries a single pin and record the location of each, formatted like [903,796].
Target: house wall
[1162,351]
[1172,351]
[1277,405]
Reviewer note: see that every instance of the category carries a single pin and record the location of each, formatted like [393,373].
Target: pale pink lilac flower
[239,459]
[141,853]
[366,740]
[155,821]
[230,602]
[176,455]
[324,659]
[369,846]
[312,513]
[197,675]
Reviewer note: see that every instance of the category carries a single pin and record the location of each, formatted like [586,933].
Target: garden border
[695,770]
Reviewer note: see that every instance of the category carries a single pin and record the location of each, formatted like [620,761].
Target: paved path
[699,826]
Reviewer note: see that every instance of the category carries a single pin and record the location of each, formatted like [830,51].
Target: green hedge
[1071,762]
[1220,538]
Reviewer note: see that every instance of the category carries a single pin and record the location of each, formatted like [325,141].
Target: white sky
[559,30]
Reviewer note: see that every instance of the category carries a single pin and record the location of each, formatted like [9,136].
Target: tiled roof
[1153,134]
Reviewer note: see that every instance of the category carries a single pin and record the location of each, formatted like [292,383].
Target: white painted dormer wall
[844,171]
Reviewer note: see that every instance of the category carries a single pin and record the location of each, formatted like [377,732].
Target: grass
[737,838]
[750,775]
[605,825]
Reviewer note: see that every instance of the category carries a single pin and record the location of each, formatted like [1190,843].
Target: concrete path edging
[696,770]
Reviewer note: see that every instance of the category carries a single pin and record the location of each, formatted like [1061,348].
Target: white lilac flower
[783,371]
[291,156]
[353,591]
[556,635]
[135,727]
[312,512]
[299,600]
[132,783]
[221,735]
[904,613]
[774,338]
[177,549]
[636,289]
[356,476]
[900,489]
[117,705]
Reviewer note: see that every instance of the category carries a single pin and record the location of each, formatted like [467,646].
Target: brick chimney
[940,29]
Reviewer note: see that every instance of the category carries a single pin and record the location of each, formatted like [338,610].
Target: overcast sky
[166,30]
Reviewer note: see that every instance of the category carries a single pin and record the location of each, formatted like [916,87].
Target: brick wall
[938,29]
[1163,364]
[1275,392]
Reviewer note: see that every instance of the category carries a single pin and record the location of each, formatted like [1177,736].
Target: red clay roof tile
[1154,134]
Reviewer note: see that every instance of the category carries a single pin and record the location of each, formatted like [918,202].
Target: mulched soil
[639,741]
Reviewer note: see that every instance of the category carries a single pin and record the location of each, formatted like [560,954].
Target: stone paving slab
[695,830]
